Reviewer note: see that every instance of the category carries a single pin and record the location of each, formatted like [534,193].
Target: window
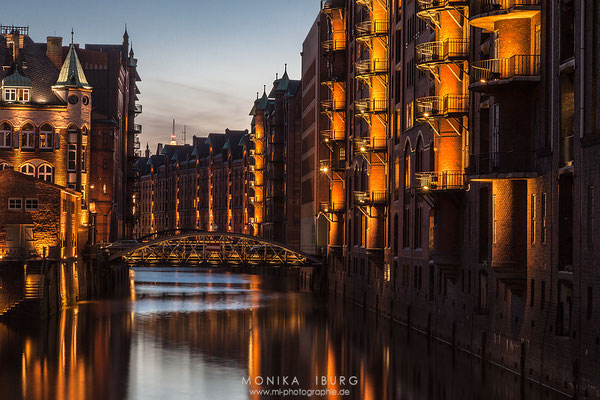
[410,115]
[46,136]
[406,228]
[532,294]
[23,95]
[46,172]
[15,204]
[72,158]
[591,211]
[28,169]
[31,204]
[4,166]
[83,148]
[494,221]
[417,231]
[10,94]
[27,135]
[5,135]
[407,167]
[533,218]
[543,213]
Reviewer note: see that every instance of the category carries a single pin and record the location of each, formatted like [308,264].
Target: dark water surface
[197,334]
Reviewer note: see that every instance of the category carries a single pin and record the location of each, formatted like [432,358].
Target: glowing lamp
[363,149]
[426,187]
[482,81]
[426,114]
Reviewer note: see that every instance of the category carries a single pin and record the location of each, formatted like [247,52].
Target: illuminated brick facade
[463,137]
[199,186]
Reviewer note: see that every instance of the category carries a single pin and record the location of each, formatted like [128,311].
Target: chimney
[54,50]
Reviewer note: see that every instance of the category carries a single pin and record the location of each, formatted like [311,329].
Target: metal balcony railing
[502,163]
[138,109]
[426,5]
[372,28]
[332,207]
[441,106]
[370,145]
[370,198]
[505,68]
[333,4]
[333,105]
[488,6]
[371,67]
[442,51]
[332,165]
[440,180]
[376,105]
[331,135]
[333,45]
[137,128]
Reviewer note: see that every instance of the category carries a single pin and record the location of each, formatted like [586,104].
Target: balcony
[426,9]
[333,45]
[370,198]
[327,166]
[484,13]
[502,165]
[330,5]
[369,3]
[333,105]
[367,68]
[332,135]
[138,109]
[566,151]
[433,53]
[440,181]
[370,145]
[329,207]
[487,75]
[369,29]
[448,106]
[137,128]
[371,106]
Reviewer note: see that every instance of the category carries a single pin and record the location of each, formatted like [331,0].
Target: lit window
[23,95]
[46,172]
[410,115]
[27,136]
[15,204]
[46,136]
[72,158]
[31,204]
[5,135]
[83,148]
[28,169]
[10,94]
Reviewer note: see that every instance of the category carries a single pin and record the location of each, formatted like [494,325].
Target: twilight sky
[201,61]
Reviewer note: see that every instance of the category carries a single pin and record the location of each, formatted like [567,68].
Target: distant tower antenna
[173,137]
[184,134]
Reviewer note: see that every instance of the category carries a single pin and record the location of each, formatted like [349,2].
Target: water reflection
[198,334]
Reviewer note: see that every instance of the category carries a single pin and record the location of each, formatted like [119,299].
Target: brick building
[276,136]
[199,186]
[463,139]
[45,115]
[39,218]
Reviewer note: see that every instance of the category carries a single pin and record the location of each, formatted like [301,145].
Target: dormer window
[16,88]
[23,95]
[10,94]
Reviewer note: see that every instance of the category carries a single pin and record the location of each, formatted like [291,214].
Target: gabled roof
[283,82]
[260,104]
[216,141]
[71,74]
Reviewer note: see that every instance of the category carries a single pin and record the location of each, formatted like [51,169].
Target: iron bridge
[195,247]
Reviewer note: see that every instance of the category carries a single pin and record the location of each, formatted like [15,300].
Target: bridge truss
[199,247]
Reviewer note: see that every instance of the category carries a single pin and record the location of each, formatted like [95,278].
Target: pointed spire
[72,36]
[285,68]
[125,34]
[71,74]
[284,81]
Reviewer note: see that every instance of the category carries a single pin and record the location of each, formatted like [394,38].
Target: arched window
[46,172]
[28,169]
[27,136]
[419,156]
[407,171]
[6,135]
[4,165]
[46,136]
[396,236]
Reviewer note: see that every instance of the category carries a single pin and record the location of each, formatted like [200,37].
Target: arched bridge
[200,247]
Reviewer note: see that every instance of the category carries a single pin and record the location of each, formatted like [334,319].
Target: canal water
[201,334]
